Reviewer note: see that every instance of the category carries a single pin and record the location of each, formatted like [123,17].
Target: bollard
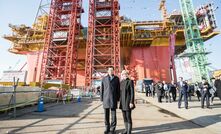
[41,104]
[79,99]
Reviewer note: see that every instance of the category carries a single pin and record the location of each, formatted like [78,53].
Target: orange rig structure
[59,48]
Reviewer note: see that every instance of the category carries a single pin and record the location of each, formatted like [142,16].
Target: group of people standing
[114,90]
[205,91]
[164,90]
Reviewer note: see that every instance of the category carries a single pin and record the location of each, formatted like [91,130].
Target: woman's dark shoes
[124,132]
[129,129]
[126,127]
[106,132]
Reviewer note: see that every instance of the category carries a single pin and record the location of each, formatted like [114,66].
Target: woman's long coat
[126,94]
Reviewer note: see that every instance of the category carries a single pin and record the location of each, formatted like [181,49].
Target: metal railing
[48,95]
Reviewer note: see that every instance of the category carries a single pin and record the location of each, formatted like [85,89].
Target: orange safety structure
[103,42]
[61,41]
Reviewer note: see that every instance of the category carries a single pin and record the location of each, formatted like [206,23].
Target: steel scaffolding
[61,41]
[194,42]
[103,42]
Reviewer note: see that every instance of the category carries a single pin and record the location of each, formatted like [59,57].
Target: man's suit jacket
[183,88]
[110,92]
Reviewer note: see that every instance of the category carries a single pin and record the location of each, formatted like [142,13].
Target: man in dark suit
[172,89]
[110,95]
[183,91]
[159,90]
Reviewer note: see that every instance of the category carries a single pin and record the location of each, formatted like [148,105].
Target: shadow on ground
[188,124]
[59,110]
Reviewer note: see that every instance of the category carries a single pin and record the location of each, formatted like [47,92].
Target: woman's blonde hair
[125,72]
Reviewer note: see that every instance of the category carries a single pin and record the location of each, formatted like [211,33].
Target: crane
[164,11]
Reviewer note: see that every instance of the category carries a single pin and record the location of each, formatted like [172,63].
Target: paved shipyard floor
[87,118]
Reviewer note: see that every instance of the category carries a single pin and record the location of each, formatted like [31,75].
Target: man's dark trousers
[181,95]
[174,95]
[159,98]
[113,124]
[205,95]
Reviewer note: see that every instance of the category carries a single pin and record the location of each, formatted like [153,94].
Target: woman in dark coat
[126,100]
[160,91]
[205,93]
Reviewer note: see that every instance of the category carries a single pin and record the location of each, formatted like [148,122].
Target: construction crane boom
[163,9]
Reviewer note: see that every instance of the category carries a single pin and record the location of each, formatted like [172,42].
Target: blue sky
[24,12]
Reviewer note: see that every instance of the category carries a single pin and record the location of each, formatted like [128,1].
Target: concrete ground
[207,118]
[87,118]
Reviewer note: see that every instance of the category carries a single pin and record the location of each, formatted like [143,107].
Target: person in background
[205,87]
[147,89]
[98,92]
[197,90]
[126,100]
[191,90]
[183,91]
[218,86]
[159,90]
[152,89]
[188,90]
[60,95]
[110,95]
[212,90]
[173,88]
[166,91]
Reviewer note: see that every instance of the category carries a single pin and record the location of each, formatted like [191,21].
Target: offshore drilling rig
[58,47]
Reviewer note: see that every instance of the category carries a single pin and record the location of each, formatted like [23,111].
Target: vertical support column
[116,36]
[47,42]
[59,60]
[103,44]
[90,43]
[194,41]
[70,75]
[171,60]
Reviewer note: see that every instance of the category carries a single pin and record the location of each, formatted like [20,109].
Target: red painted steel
[70,74]
[151,62]
[61,41]
[33,70]
[172,40]
[116,36]
[103,44]
[90,43]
